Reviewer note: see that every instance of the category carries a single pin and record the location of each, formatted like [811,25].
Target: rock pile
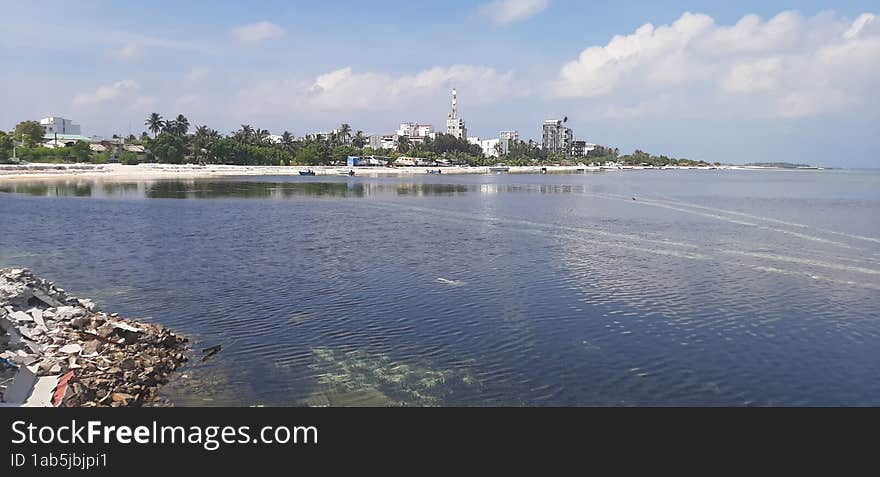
[58,350]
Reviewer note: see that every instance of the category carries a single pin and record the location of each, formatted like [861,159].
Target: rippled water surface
[633,288]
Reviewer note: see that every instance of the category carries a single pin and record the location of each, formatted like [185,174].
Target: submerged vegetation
[359,378]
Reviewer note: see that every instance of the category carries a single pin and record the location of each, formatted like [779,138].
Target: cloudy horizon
[784,81]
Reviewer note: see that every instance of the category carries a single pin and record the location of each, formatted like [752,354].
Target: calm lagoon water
[633,288]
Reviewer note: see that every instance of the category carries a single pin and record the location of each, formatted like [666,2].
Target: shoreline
[57,350]
[191,171]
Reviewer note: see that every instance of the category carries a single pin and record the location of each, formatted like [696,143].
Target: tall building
[57,125]
[556,137]
[509,135]
[506,138]
[454,124]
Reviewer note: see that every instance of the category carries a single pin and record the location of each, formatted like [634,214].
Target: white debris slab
[21,316]
[72,348]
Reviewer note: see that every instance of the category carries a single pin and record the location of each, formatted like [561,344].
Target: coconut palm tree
[154,123]
[344,133]
[182,125]
[170,127]
[286,142]
[359,139]
[244,134]
[261,137]
[403,145]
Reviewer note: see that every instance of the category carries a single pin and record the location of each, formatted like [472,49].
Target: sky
[735,82]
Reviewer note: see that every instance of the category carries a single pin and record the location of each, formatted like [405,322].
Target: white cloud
[787,66]
[143,104]
[186,102]
[347,90]
[503,12]
[866,21]
[195,74]
[257,32]
[127,52]
[106,93]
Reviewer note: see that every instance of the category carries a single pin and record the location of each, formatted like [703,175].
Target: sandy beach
[192,171]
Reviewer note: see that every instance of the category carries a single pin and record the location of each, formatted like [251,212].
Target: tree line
[173,141]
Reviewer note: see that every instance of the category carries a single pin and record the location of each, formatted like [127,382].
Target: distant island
[781,165]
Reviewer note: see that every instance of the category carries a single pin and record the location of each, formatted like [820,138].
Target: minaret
[455,125]
[454,104]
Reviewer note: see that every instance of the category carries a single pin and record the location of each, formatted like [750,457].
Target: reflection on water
[286,188]
[653,288]
[200,189]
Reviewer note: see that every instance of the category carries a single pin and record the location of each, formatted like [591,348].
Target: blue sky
[726,81]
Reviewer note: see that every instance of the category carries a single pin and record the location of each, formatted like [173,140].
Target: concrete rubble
[59,350]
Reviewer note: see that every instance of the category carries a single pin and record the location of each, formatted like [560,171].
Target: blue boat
[307,173]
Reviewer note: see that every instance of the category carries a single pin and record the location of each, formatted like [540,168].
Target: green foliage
[78,152]
[129,158]
[5,147]
[168,148]
[230,151]
[312,155]
[30,132]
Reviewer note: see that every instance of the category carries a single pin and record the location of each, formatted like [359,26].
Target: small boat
[499,169]
[346,173]
[438,171]
[307,173]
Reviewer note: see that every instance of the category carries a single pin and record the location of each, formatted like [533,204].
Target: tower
[455,125]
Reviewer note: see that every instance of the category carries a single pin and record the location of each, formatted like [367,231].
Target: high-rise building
[556,137]
[454,124]
[509,135]
[506,138]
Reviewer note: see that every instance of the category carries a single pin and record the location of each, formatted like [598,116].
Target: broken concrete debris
[59,350]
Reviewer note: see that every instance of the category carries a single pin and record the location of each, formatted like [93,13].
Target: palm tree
[286,143]
[403,144]
[244,134]
[200,141]
[170,126]
[344,133]
[154,123]
[261,137]
[359,139]
[182,125]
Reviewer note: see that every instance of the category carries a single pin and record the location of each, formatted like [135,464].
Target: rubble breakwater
[59,350]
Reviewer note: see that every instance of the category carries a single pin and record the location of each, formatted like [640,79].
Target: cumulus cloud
[347,90]
[106,93]
[127,52]
[257,32]
[503,12]
[787,66]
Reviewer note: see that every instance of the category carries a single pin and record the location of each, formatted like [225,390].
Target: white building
[454,124]
[490,147]
[58,125]
[507,137]
[387,141]
[412,130]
